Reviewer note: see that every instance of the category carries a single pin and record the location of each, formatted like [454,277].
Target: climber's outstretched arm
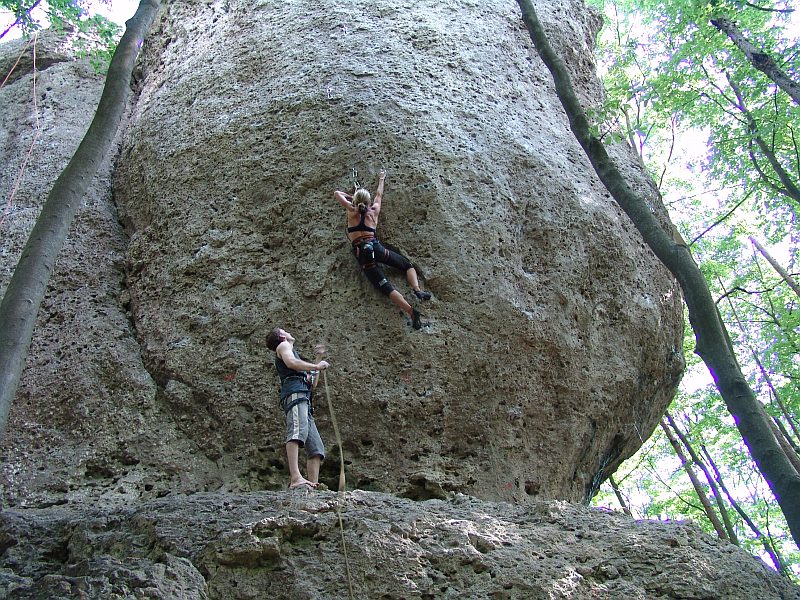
[376,204]
[345,200]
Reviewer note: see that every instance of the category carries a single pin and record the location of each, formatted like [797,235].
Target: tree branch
[758,58]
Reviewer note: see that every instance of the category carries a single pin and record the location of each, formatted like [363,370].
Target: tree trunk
[713,343]
[789,189]
[723,510]
[760,60]
[766,542]
[787,447]
[28,284]
[698,489]
[764,374]
[778,268]
[786,437]
[618,494]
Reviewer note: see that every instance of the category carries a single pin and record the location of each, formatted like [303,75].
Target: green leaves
[670,71]
[92,36]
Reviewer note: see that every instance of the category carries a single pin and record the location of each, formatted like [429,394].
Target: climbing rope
[342,480]
[37,129]
[19,58]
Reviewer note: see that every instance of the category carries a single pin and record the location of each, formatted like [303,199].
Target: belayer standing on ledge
[362,221]
[298,380]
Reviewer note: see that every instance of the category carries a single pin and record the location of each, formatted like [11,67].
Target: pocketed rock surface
[290,545]
[554,336]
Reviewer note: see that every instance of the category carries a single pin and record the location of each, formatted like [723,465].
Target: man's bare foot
[301,483]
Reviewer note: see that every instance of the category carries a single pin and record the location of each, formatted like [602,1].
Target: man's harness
[292,400]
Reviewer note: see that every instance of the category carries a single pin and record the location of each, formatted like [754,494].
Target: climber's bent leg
[376,277]
[401,303]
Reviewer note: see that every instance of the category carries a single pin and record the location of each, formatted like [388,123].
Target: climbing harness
[293,400]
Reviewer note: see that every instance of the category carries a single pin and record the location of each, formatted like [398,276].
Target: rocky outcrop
[143,454]
[554,337]
[290,545]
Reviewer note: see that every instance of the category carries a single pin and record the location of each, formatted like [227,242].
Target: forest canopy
[707,94]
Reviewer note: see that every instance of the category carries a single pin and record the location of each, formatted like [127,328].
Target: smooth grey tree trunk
[713,344]
[787,185]
[28,284]
[790,281]
[620,499]
[695,459]
[698,488]
[759,59]
[777,560]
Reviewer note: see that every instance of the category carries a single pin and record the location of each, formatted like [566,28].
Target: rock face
[144,451]
[280,545]
[554,337]
[146,429]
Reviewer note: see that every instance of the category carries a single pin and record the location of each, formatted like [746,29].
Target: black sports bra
[361,226]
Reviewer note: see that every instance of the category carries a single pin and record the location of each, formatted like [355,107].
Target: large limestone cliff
[553,342]
[554,337]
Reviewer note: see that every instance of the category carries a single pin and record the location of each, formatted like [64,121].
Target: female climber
[362,221]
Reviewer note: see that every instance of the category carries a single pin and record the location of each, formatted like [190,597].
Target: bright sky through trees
[117,11]
[671,74]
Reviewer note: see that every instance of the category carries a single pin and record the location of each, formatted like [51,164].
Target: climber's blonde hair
[362,198]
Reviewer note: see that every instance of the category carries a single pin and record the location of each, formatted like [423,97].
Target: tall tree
[790,281]
[695,459]
[722,533]
[757,57]
[775,557]
[713,343]
[28,284]
[619,496]
[654,99]
[672,60]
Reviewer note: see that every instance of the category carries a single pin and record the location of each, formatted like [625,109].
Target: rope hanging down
[37,128]
[320,352]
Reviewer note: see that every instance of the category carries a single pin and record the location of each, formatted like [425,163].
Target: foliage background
[92,35]
[721,140]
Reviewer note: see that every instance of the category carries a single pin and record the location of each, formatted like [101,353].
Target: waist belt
[362,240]
[293,400]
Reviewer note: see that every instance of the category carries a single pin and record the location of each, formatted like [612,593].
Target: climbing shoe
[416,319]
[422,295]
